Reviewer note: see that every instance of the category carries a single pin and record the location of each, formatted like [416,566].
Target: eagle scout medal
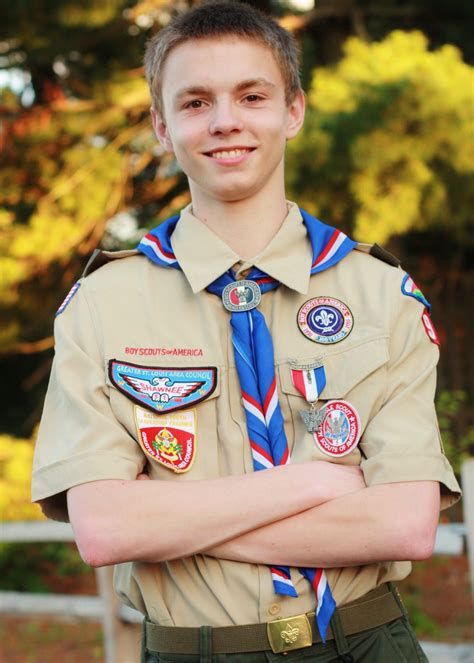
[312,418]
[339,431]
[325,320]
[163,389]
[169,439]
[241,295]
[430,329]
[309,380]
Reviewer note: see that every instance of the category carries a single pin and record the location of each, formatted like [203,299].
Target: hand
[143,476]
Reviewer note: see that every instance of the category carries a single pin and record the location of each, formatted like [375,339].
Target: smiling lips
[231,153]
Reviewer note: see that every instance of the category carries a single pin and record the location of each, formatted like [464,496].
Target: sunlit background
[386,155]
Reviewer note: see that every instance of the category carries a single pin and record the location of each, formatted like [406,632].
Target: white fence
[121,635]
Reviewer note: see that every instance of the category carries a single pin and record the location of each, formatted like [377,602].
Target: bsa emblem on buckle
[241,295]
[325,320]
[169,439]
[288,634]
[163,389]
[339,430]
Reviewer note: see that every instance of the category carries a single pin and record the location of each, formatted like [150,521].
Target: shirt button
[274,609]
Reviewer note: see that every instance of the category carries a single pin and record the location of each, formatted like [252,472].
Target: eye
[252,98]
[194,103]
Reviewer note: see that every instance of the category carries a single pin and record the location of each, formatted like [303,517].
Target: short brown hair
[219,19]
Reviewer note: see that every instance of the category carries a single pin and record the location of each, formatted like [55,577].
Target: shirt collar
[203,256]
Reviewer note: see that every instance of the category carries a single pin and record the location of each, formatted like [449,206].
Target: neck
[246,226]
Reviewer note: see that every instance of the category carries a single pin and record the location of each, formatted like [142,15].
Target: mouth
[229,153]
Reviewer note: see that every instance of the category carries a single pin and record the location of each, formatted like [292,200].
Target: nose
[225,118]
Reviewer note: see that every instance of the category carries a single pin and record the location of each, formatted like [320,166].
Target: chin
[234,193]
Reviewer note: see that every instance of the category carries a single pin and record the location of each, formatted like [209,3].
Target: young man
[283,340]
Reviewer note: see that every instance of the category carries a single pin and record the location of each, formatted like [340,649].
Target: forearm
[116,521]
[382,523]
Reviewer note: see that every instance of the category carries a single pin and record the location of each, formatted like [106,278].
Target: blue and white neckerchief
[253,351]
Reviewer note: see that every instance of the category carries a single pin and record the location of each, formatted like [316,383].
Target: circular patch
[325,320]
[339,431]
[241,295]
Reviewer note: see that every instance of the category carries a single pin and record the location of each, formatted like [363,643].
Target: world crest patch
[325,320]
[163,389]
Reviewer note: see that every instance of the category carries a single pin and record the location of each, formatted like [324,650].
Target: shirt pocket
[354,374]
[191,425]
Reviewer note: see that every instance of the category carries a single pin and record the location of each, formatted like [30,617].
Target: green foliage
[387,146]
[423,624]
[26,567]
[457,447]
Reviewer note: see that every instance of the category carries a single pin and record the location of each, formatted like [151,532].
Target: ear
[295,115]
[161,130]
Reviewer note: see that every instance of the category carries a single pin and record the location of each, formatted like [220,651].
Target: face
[225,118]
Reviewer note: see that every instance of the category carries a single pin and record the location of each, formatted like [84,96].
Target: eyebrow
[243,85]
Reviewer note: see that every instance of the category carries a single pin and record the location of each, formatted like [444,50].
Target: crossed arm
[309,514]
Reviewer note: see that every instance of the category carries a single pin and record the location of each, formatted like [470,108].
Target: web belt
[380,606]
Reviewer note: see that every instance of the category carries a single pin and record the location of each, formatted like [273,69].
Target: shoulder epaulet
[379,252]
[100,258]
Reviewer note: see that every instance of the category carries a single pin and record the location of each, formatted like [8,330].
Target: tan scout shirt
[135,311]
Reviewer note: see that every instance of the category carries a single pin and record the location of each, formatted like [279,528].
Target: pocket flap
[344,369]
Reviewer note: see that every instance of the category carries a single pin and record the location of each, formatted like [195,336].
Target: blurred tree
[386,147]
[77,149]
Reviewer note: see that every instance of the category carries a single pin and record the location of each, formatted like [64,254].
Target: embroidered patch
[241,295]
[339,431]
[163,389]
[68,297]
[325,320]
[410,289]
[170,439]
[430,329]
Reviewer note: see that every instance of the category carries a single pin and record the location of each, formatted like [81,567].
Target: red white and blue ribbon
[253,351]
[310,381]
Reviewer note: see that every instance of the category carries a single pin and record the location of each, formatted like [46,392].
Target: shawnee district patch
[163,389]
[170,439]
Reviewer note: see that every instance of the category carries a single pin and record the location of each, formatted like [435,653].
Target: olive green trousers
[391,643]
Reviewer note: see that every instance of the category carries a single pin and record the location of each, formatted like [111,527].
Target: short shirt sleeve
[79,438]
[402,441]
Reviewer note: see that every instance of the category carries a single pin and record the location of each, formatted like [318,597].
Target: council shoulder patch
[325,320]
[163,389]
[410,289]
[339,430]
[68,297]
[169,439]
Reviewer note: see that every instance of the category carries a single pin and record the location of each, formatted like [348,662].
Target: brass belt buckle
[288,634]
